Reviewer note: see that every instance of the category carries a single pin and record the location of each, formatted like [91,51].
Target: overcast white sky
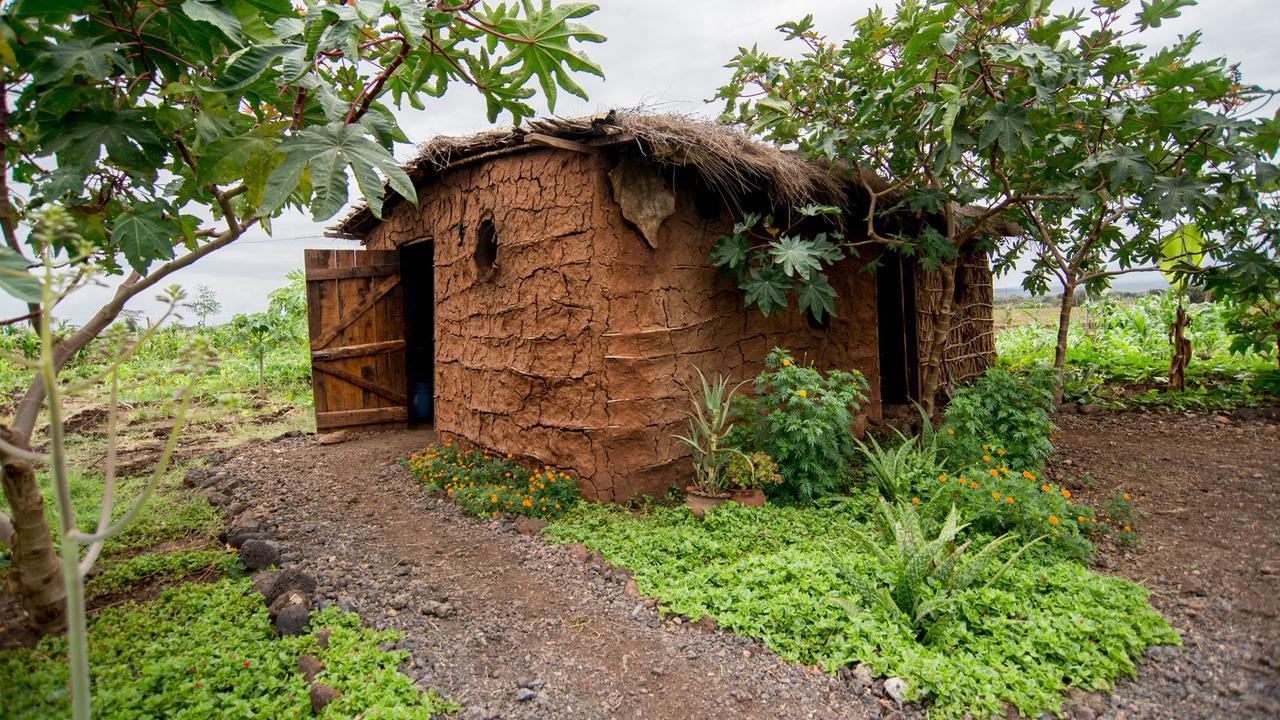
[664,53]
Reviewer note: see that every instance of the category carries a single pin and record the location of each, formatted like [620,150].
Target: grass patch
[772,573]
[208,651]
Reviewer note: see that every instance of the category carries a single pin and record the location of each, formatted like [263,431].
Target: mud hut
[550,293]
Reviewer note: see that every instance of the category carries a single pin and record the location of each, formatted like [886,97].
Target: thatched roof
[729,161]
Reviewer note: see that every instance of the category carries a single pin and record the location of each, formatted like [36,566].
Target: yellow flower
[802,394]
[1080,518]
[786,363]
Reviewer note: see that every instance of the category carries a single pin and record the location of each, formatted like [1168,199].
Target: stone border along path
[503,623]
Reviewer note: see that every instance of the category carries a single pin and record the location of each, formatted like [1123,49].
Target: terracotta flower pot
[699,503]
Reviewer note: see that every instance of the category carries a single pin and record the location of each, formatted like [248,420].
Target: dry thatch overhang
[729,161]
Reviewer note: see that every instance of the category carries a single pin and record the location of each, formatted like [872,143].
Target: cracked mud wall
[571,348]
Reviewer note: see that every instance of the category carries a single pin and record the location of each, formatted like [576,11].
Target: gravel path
[504,624]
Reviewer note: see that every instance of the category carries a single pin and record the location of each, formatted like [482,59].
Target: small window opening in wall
[486,255]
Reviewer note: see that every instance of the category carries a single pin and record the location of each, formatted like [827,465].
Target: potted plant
[748,474]
[719,470]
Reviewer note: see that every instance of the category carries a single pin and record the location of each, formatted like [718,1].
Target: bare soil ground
[1209,549]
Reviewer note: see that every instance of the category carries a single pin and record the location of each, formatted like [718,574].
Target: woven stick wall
[971,343]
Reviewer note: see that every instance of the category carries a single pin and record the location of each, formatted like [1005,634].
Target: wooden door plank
[358,381]
[361,350]
[363,416]
[352,313]
[353,272]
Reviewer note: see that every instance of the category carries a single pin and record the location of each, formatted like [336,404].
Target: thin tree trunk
[937,344]
[1181,356]
[36,568]
[1060,348]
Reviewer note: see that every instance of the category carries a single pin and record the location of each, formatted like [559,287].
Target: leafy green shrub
[926,576]
[802,420]
[755,471]
[209,651]
[709,427]
[484,484]
[1043,627]
[1007,411]
[124,575]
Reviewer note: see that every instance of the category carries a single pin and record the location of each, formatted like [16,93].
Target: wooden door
[355,316]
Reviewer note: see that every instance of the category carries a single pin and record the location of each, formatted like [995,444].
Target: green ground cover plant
[122,575]
[484,483]
[1041,627]
[209,651]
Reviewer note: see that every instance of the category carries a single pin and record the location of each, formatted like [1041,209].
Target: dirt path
[500,622]
[1209,549]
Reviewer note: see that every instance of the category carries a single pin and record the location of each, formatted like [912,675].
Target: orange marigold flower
[1079,518]
[950,431]
[1008,499]
[985,446]
[1027,474]
[1045,487]
[786,363]
[1066,493]
[994,472]
[942,478]
[802,393]
[973,485]
[1053,520]
[986,458]
[1128,529]
[1125,496]
[915,501]
[527,503]
[1000,453]
[995,495]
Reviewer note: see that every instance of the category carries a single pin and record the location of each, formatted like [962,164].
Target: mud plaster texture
[572,348]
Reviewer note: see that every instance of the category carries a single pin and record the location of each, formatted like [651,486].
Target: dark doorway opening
[896,317]
[417,278]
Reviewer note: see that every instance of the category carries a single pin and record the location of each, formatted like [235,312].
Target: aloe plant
[927,574]
[898,466]
[709,423]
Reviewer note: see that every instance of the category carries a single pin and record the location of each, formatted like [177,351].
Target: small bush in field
[486,484]
[802,420]
[1007,412]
